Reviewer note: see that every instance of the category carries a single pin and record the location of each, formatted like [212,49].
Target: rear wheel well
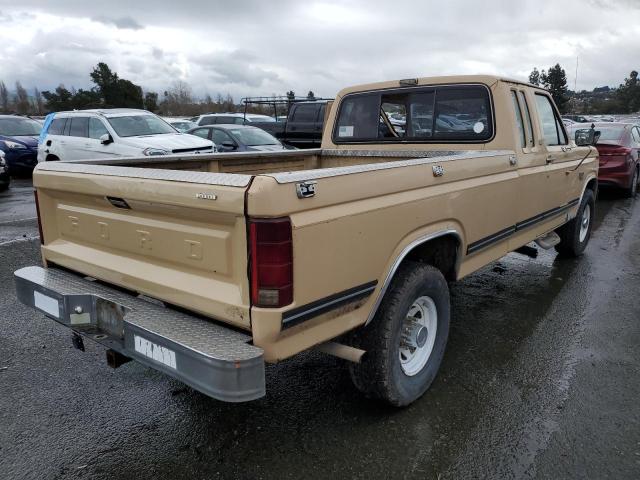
[441,252]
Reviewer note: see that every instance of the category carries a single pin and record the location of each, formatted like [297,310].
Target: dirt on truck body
[256,257]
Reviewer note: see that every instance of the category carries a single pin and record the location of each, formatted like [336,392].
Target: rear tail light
[615,152]
[271,250]
[35,194]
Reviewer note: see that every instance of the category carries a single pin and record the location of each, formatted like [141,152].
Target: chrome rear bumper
[215,360]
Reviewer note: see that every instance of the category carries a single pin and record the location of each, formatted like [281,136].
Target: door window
[219,136]
[96,128]
[57,126]
[202,132]
[79,127]
[552,127]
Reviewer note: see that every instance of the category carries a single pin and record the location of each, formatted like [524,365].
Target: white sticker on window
[156,352]
[478,127]
[46,304]
[345,131]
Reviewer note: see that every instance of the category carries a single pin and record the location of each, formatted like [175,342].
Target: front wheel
[574,235]
[406,339]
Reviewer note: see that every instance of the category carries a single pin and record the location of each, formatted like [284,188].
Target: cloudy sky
[253,47]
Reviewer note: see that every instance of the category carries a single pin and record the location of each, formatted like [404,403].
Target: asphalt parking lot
[541,379]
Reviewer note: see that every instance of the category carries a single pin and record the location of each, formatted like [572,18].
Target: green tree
[628,93]
[291,95]
[151,101]
[22,100]
[116,92]
[4,98]
[534,77]
[555,80]
[58,100]
[311,95]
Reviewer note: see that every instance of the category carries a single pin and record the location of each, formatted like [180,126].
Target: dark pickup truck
[302,127]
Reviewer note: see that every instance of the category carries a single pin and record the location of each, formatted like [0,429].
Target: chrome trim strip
[302,175]
[223,179]
[401,257]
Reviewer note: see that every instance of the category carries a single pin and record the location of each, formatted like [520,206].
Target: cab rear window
[435,114]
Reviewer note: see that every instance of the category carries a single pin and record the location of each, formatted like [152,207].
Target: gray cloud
[121,22]
[252,47]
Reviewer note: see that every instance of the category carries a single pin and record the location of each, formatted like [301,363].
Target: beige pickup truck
[205,267]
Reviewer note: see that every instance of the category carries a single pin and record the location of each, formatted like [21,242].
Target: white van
[116,132]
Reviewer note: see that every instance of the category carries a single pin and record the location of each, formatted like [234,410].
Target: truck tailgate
[177,236]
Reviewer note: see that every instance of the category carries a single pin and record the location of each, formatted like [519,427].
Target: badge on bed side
[306,189]
[438,170]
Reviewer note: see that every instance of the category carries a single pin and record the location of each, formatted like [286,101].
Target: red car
[618,148]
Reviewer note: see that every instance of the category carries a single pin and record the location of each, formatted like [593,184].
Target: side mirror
[228,145]
[586,137]
[106,139]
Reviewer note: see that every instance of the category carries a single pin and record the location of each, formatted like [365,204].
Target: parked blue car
[19,142]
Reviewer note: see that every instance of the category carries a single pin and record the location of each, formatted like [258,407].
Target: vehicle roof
[447,79]
[229,126]
[107,112]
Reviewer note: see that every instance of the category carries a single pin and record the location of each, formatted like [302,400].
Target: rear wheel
[633,188]
[574,235]
[406,339]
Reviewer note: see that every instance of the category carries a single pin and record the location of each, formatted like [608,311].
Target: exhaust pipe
[339,350]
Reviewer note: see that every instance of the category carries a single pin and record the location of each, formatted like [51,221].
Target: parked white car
[117,132]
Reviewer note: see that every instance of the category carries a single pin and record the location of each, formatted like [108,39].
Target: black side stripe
[337,300]
[502,234]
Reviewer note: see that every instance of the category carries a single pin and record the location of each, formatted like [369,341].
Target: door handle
[512,160]
[550,158]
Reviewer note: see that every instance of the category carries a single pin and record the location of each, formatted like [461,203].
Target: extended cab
[206,267]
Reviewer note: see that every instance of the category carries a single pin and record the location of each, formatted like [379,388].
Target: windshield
[16,127]
[135,125]
[254,137]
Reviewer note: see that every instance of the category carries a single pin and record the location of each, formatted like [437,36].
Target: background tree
[116,92]
[555,80]
[151,101]
[38,103]
[58,100]
[4,98]
[291,95]
[311,95]
[628,93]
[22,100]
[534,76]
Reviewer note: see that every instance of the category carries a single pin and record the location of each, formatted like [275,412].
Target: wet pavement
[541,379]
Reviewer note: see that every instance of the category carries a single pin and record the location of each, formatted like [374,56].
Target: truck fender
[590,178]
[410,245]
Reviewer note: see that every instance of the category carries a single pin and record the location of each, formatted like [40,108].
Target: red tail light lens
[35,194]
[615,151]
[271,250]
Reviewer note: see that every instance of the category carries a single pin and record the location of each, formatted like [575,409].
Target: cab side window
[552,127]
[96,128]
[519,122]
[527,116]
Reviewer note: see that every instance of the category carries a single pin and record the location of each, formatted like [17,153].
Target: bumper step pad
[213,359]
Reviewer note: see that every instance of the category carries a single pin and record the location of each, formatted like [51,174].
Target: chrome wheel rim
[418,335]
[584,222]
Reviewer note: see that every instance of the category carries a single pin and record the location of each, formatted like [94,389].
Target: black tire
[380,374]
[570,244]
[632,189]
